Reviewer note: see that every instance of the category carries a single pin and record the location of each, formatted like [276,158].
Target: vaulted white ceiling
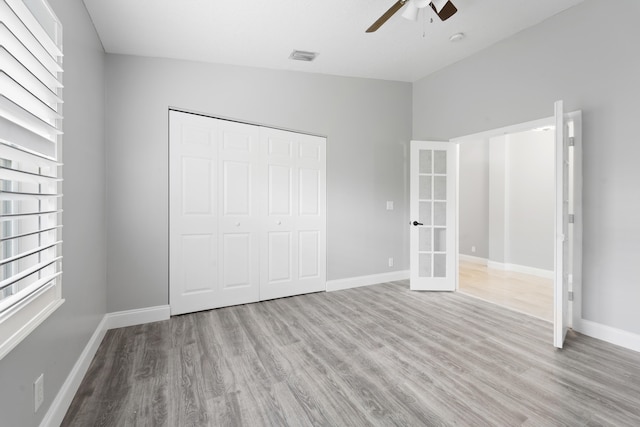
[263,33]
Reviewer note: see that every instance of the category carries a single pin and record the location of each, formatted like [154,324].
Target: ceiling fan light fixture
[411,12]
[456,37]
[444,9]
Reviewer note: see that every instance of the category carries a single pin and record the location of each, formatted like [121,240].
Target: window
[30,171]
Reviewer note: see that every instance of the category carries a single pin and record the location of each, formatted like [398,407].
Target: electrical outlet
[473,249]
[390,262]
[38,391]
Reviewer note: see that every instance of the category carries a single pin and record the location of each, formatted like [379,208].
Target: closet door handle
[417,223]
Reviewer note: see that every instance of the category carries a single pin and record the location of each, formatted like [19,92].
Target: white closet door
[294,243]
[240,177]
[247,213]
[193,237]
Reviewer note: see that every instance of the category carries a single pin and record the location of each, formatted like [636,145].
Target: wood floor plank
[330,375]
[187,403]
[413,345]
[147,405]
[525,293]
[379,355]
[363,396]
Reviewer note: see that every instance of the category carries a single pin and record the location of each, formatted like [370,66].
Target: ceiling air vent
[301,55]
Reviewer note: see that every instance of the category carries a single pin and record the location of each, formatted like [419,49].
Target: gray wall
[587,57]
[474,198]
[507,196]
[367,123]
[531,199]
[56,344]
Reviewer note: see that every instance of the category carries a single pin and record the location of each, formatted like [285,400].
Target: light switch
[389,206]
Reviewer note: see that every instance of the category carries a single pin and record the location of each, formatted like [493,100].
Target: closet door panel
[193,234]
[295,199]
[279,189]
[240,172]
[309,197]
[279,257]
[311,212]
[236,260]
[197,179]
[199,262]
[309,250]
[236,185]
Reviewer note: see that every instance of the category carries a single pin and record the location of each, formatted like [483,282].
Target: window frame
[35,34]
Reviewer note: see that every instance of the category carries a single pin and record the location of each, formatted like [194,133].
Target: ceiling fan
[443,8]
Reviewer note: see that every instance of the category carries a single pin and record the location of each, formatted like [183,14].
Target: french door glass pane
[440,188]
[424,216]
[424,237]
[424,265]
[440,239]
[425,161]
[439,265]
[440,161]
[439,213]
[425,188]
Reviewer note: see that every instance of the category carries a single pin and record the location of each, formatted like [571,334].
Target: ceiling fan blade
[447,11]
[385,16]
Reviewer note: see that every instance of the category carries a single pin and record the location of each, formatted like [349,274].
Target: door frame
[575,306]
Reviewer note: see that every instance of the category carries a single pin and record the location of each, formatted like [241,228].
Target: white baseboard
[609,334]
[547,274]
[122,319]
[473,259]
[63,399]
[374,279]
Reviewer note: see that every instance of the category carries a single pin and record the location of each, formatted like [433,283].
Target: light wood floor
[521,292]
[379,355]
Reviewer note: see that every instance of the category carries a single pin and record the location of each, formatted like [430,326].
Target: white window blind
[30,168]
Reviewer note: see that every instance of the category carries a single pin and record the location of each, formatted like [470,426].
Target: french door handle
[417,223]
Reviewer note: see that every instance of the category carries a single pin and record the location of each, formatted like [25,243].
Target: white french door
[247,213]
[568,219]
[433,236]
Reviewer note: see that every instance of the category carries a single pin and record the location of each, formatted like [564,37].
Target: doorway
[567,218]
[506,220]
[567,238]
